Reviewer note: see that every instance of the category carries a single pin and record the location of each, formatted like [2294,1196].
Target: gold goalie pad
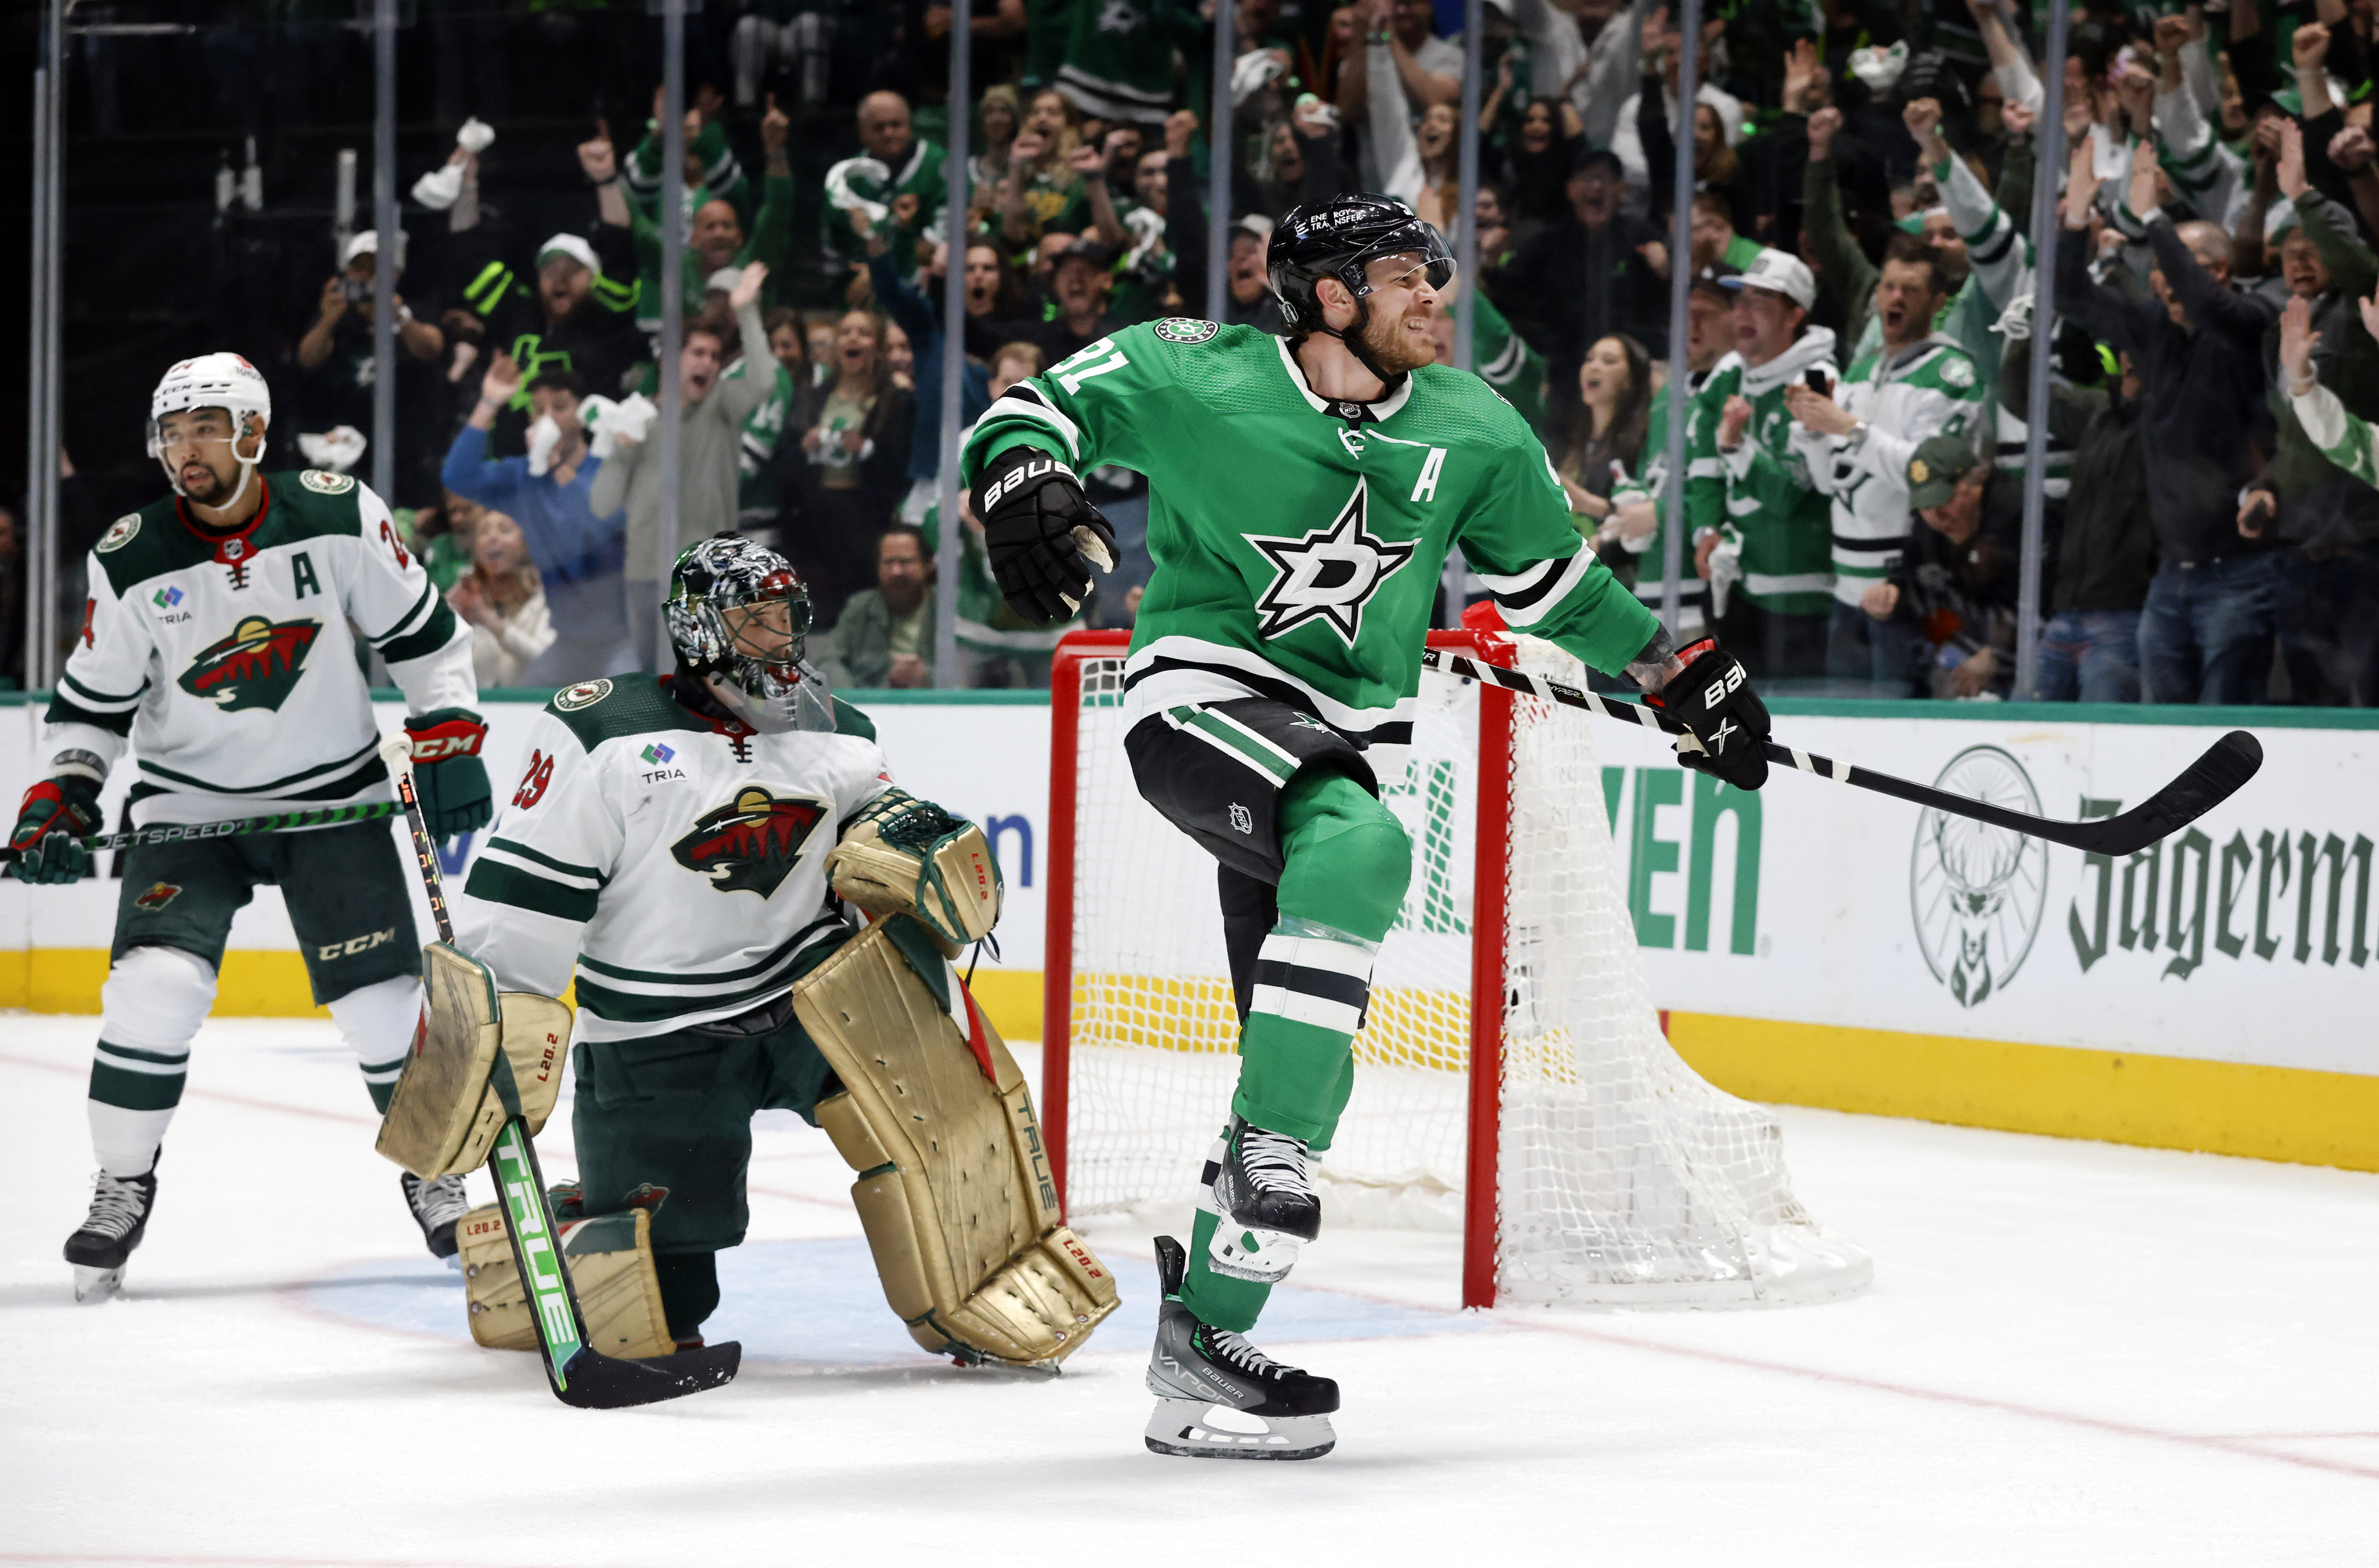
[611,1262]
[479,1057]
[904,855]
[954,1189]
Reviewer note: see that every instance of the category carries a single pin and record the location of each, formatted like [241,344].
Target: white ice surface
[2073,1354]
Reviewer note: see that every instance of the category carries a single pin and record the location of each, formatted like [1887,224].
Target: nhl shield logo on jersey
[749,845]
[158,895]
[256,666]
[1329,574]
[1184,329]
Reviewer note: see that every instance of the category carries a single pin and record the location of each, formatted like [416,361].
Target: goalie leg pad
[954,1189]
[478,1059]
[611,1262]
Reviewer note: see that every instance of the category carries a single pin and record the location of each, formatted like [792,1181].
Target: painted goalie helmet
[739,617]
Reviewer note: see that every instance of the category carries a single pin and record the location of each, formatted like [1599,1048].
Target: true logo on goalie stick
[750,844]
[1977,891]
[1329,574]
[256,666]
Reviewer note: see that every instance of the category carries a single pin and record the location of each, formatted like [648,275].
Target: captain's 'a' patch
[1329,574]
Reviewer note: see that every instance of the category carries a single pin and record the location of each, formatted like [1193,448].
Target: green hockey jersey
[1297,542]
[1506,362]
[1774,511]
[1705,502]
[870,186]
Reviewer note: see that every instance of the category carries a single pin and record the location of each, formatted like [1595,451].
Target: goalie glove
[1728,723]
[1042,533]
[447,773]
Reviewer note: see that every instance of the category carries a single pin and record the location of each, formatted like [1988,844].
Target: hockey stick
[183,832]
[2204,784]
[581,1376]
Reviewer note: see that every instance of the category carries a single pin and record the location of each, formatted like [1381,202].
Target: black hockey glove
[56,816]
[1713,696]
[1042,533]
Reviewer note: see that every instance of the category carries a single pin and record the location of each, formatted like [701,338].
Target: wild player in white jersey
[214,644]
[1305,494]
[684,842]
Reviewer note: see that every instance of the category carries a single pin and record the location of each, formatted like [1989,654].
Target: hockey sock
[378,1022]
[151,1006]
[689,1283]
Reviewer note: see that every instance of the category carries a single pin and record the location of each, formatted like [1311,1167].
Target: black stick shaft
[2212,779]
[424,853]
[186,832]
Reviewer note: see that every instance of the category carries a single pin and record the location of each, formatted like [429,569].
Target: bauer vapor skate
[436,1206]
[118,1218]
[1197,1370]
[1261,1185]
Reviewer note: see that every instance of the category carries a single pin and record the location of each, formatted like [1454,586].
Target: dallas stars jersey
[1928,388]
[1772,505]
[1298,542]
[226,657]
[679,861]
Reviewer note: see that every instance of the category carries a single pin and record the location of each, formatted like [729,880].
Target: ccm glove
[1712,695]
[1042,533]
[57,815]
[447,773]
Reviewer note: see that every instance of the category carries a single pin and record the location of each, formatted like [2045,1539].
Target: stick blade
[2206,783]
[607,1382]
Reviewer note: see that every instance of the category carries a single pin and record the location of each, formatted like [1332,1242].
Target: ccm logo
[438,748]
[353,945]
[1021,477]
[1720,688]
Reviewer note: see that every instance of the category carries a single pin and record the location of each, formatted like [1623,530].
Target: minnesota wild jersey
[677,860]
[224,658]
[1924,389]
[1297,542]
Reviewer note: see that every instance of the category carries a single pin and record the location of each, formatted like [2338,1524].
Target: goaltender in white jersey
[214,645]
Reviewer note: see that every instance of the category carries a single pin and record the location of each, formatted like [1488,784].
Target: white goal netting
[1622,1178]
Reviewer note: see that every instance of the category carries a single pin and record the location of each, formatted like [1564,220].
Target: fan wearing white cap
[216,643]
[348,298]
[1775,556]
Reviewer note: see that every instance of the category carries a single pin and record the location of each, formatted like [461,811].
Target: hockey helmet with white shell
[221,380]
[739,617]
[1340,238]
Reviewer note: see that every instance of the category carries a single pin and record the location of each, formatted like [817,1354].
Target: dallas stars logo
[1328,575]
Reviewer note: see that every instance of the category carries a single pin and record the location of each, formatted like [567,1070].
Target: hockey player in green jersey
[215,644]
[1305,493]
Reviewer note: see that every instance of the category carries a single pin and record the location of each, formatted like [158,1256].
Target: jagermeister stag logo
[1977,890]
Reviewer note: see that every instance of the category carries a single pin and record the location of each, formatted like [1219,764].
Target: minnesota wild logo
[256,666]
[750,844]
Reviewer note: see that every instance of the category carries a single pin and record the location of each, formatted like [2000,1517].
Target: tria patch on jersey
[119,533]
[158,895]
[323,483]
[256,666]
[1329,574]
[750,844]
[1184,329]
[586,693]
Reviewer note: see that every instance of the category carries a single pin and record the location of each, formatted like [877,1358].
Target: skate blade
[95,1285]
[1245,1253]
[1179,1428]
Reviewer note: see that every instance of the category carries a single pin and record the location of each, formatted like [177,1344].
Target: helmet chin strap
[246,470]
[1353,339]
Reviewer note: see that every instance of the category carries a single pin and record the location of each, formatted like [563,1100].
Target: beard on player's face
[1400,340]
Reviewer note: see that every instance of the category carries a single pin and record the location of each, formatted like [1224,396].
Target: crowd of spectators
[1860,336]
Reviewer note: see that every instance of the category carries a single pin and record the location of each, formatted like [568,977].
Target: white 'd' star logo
[1329,574]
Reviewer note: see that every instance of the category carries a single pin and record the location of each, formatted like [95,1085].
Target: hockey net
[1583,1160]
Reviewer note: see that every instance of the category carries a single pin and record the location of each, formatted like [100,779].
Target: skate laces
[1223,1345]
[439,1200]
[1275,1162]
[115,1207]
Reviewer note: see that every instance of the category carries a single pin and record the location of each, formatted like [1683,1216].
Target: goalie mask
[739,617]
[213,380]
[1340,238]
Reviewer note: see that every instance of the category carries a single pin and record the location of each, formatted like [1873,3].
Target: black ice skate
[119,1216]
[436,1206]
[1197,1368]
[1259,1184]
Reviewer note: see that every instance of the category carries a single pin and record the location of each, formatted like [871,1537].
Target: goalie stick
[580,1376]
[182,832]
[2204,784]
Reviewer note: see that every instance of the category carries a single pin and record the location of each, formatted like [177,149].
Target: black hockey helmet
[1339,239]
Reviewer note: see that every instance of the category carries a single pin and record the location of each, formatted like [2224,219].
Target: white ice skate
[1219,1397]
